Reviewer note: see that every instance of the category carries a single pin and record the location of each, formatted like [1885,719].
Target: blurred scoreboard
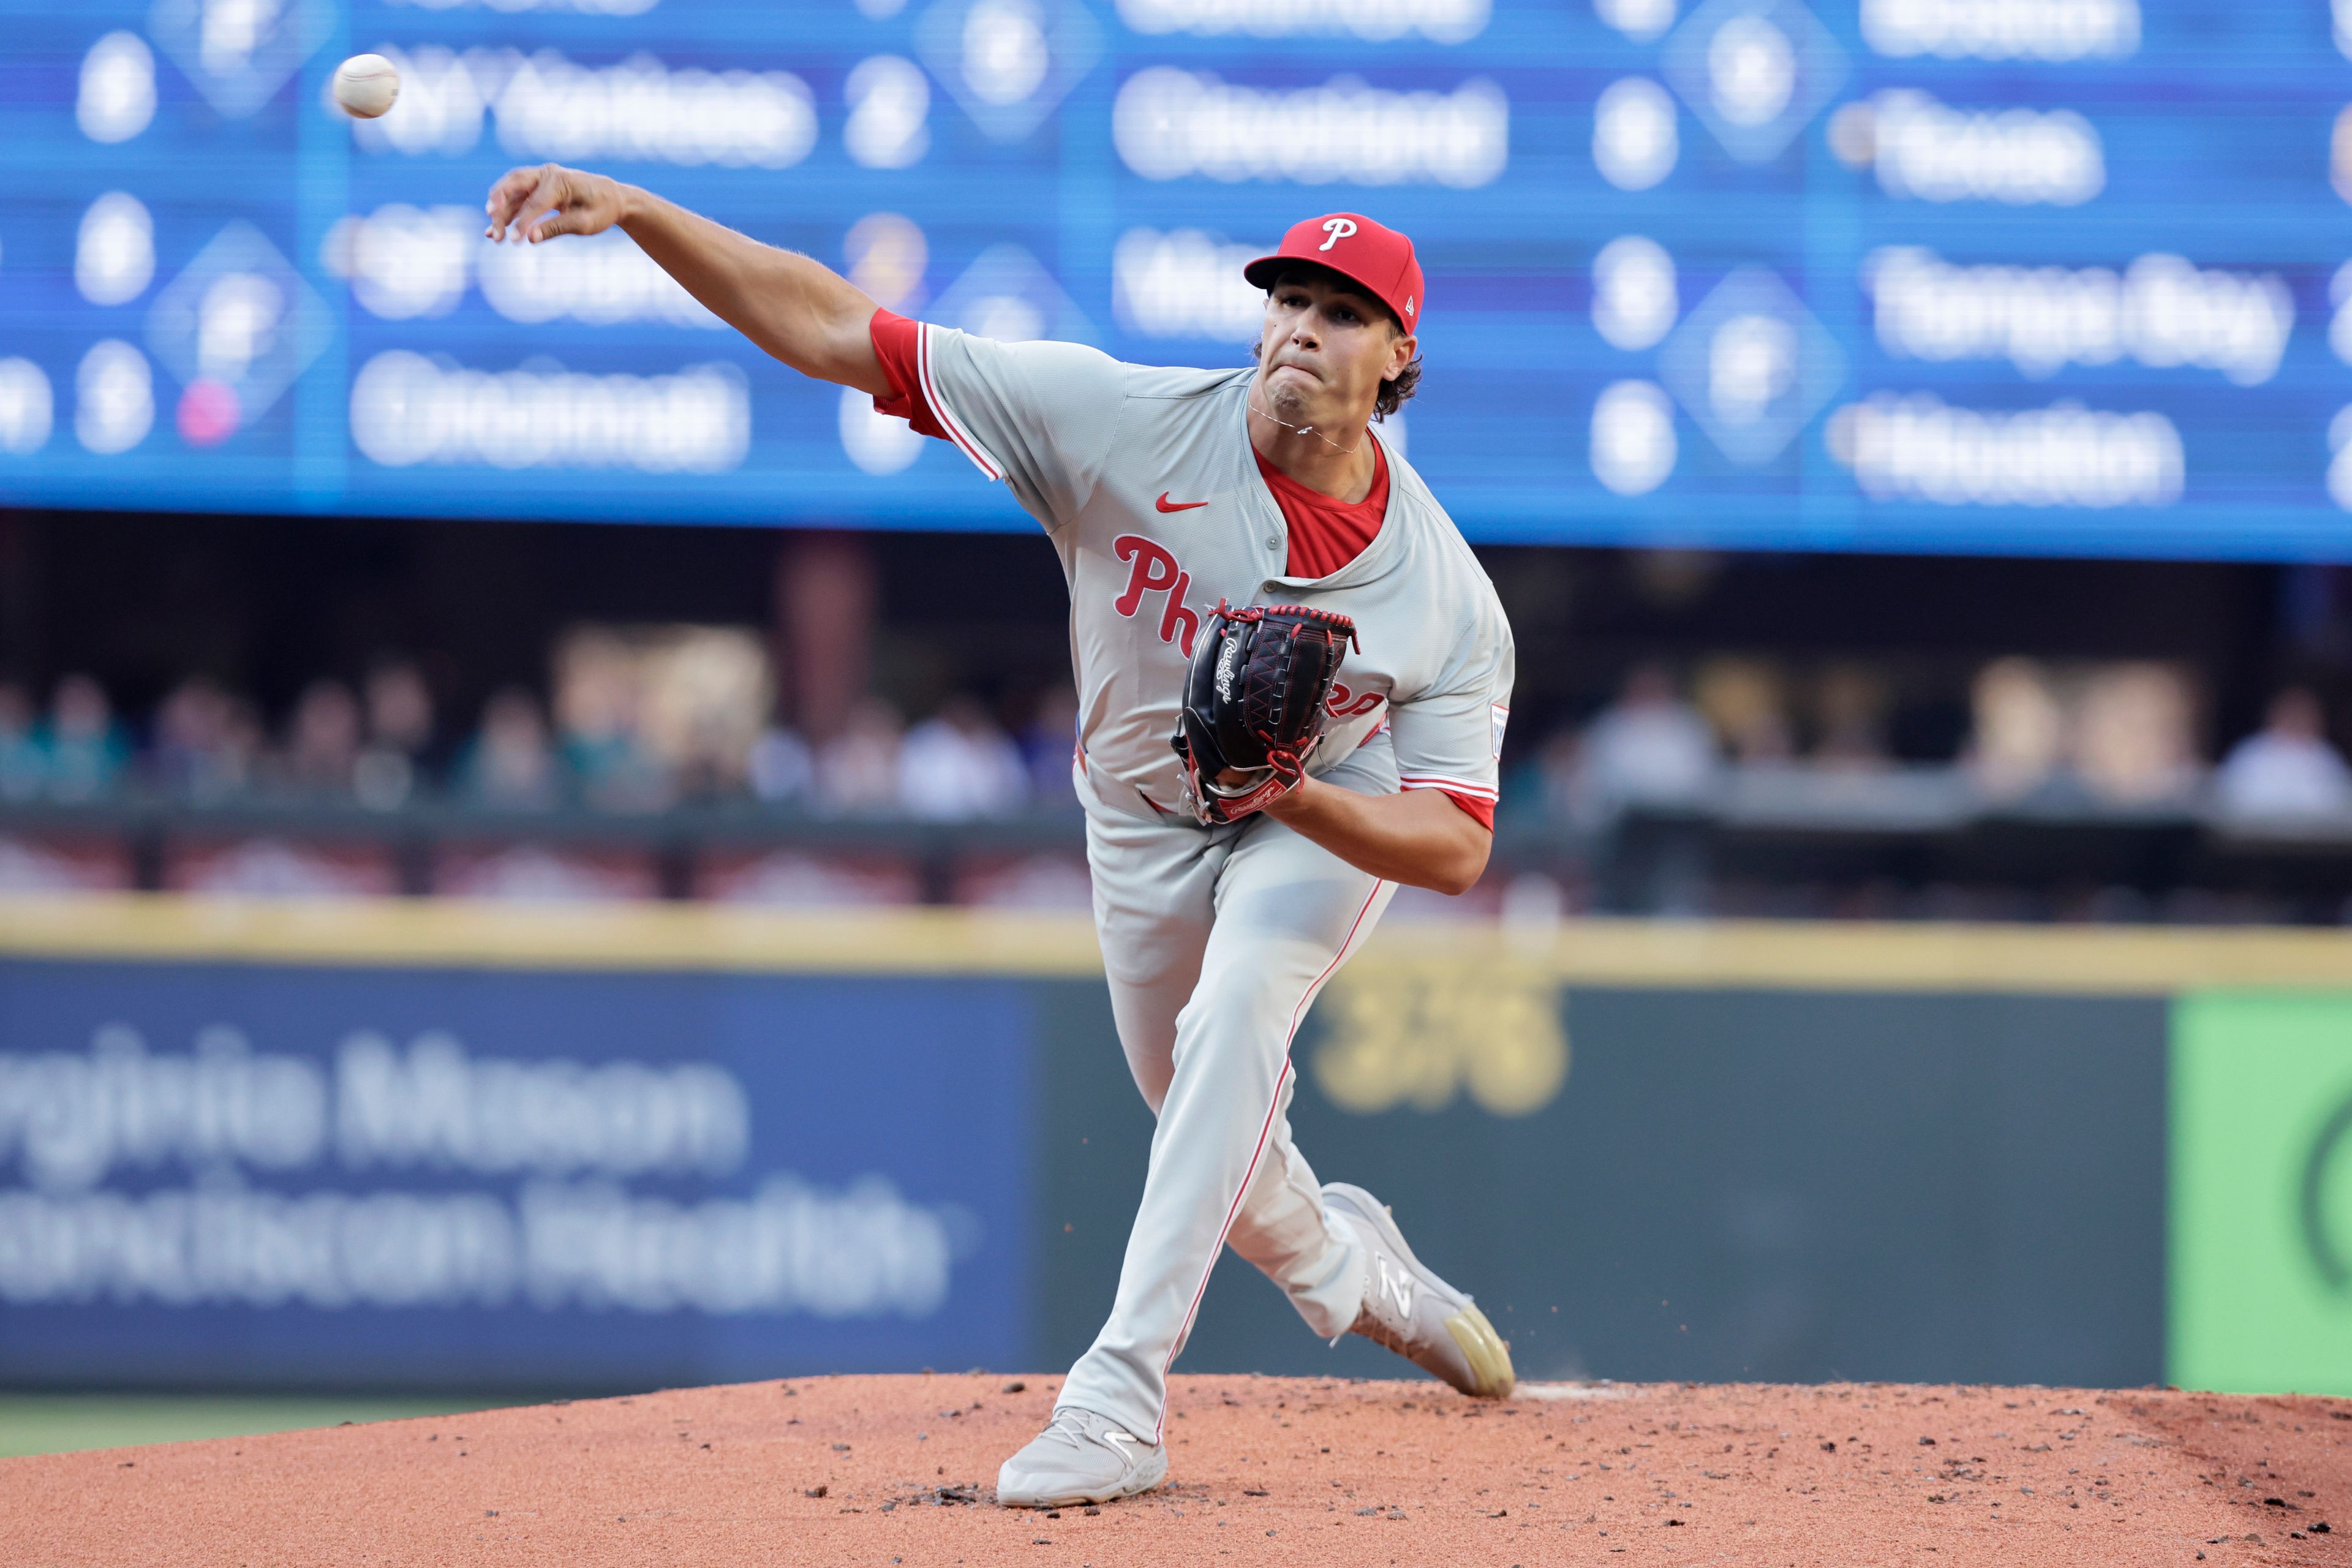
[2038,276]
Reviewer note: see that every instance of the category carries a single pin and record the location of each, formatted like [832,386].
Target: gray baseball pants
[1215,941]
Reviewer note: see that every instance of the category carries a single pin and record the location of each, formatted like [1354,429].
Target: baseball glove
[1253,705]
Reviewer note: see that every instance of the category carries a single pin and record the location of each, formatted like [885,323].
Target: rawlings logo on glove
[1252,710]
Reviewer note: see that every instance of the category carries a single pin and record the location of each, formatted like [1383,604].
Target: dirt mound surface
[859,1470]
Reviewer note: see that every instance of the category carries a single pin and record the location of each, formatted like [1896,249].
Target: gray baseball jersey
[1145,480]
[1214,941]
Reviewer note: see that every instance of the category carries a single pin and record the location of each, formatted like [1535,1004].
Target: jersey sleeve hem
[957,430]
[1476,800]
[1449,783]
[904,349]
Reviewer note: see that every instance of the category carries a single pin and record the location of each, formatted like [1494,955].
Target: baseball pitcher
[1292,678]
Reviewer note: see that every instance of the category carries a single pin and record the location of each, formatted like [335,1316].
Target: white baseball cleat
[1080,1458]
[1412,1311]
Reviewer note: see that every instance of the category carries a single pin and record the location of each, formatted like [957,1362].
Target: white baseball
[366,85]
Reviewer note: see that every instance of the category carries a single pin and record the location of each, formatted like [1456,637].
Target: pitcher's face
[1325,348]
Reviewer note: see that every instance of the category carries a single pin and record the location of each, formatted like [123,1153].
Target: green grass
[63,1423]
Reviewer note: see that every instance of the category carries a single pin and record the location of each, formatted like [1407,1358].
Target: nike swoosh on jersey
[1164,504]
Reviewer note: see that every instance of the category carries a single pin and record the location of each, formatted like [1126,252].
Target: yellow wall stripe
[437,932]
[1802,955]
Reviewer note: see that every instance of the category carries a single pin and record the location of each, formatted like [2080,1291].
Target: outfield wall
[423,1144]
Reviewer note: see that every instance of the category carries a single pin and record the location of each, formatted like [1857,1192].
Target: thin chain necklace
[1303,429]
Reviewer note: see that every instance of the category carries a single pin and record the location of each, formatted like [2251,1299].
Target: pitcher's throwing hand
[538,204]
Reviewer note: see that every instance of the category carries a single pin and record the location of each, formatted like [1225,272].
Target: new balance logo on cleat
[1395,1284]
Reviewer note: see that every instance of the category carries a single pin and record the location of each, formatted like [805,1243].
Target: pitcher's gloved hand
[1253,705]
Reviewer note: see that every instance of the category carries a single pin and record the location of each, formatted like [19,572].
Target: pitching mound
[878,1470]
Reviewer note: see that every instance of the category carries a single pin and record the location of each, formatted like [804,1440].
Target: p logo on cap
[1378,259]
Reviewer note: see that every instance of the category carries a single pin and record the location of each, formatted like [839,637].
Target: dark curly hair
[1396,390]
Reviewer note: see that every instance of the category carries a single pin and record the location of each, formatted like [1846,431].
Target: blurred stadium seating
[1788,766]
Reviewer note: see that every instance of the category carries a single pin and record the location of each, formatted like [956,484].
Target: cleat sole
[1488,1354]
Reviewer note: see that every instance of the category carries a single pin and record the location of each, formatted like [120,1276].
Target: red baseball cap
[1372,256]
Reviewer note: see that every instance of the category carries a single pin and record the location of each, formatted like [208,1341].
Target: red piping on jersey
[1451,786]
[1159,1430]
[947,418]
[898,344]
[1297,1011]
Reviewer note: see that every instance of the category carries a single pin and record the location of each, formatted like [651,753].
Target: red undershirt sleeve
[1481,810]
[898,343]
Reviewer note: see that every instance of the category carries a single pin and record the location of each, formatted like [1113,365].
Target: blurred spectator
[958,765]
[83,749]
[783,767]
[510,762]
[205,742]
[23,769]
[1648,748]
[1852,702]
[858,770]
[713,761]
[2132,743]
[1048,747]
[2020,727]
[392,765]
[700,695]
[1743,700]
[2286,768]
[322,743]
[597,702]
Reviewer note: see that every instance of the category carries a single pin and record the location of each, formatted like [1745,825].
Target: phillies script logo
[1155,572]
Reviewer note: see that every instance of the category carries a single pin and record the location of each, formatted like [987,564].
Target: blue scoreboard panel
[2038,276]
